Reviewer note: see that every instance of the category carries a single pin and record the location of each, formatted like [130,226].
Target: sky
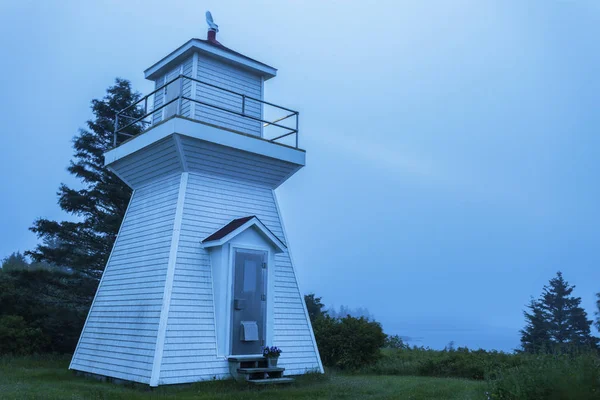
[452,146]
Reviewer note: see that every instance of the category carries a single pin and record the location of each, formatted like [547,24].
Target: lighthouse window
[250,272]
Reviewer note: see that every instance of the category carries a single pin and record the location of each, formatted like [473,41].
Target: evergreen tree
[557,320]
[567,320]
[313,306]
[16,261]
[99,207]
[535,336]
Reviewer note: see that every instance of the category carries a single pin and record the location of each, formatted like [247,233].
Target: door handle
[239,304]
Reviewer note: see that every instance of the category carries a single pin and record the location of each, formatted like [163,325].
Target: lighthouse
[200,277]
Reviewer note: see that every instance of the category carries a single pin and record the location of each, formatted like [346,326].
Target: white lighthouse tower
[200,277]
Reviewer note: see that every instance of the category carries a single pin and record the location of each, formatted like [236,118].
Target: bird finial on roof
[211,24]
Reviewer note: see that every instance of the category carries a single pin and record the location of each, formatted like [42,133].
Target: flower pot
[272,361]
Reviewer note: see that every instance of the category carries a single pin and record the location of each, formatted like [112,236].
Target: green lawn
[48,378]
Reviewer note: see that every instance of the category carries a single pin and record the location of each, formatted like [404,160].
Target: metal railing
[144,113]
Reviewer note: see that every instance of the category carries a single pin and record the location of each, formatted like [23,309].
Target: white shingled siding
[223,75]
[224,161]
[226,76]
[157,160]
[119,336]
[190,343]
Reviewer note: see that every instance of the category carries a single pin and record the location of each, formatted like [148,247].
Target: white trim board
[287,240]
[194,94]
[166,302]
[254,222]
[180,152]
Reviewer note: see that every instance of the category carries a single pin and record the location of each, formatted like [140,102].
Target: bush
[348,343]
[394,342]
[521,376]
[17,337]
[465,363]
[460,363]
[52,304]
[560,377]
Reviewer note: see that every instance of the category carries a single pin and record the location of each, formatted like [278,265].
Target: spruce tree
[567,320]
[314,306]
[99,206]
[535,337]
[557,321]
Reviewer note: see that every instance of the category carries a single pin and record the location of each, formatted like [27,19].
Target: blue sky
[452,146]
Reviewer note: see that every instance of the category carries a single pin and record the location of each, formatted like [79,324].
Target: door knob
[239,304]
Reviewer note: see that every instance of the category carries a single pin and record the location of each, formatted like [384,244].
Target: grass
[49,378]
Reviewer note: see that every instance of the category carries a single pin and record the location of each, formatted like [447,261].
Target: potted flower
[272,355]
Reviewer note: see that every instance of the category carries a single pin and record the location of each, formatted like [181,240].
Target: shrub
[549,377]
[52,303]
[394,342]
[459,363]
[348,343]
[571,375]
[17,337]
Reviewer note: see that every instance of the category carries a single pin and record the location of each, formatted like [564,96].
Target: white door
[171,95]
[249,301]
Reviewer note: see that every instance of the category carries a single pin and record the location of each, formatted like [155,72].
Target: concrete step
[252,368]
[255,374]
[271,381]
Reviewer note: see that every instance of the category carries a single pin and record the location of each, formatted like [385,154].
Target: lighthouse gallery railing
[141,116]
